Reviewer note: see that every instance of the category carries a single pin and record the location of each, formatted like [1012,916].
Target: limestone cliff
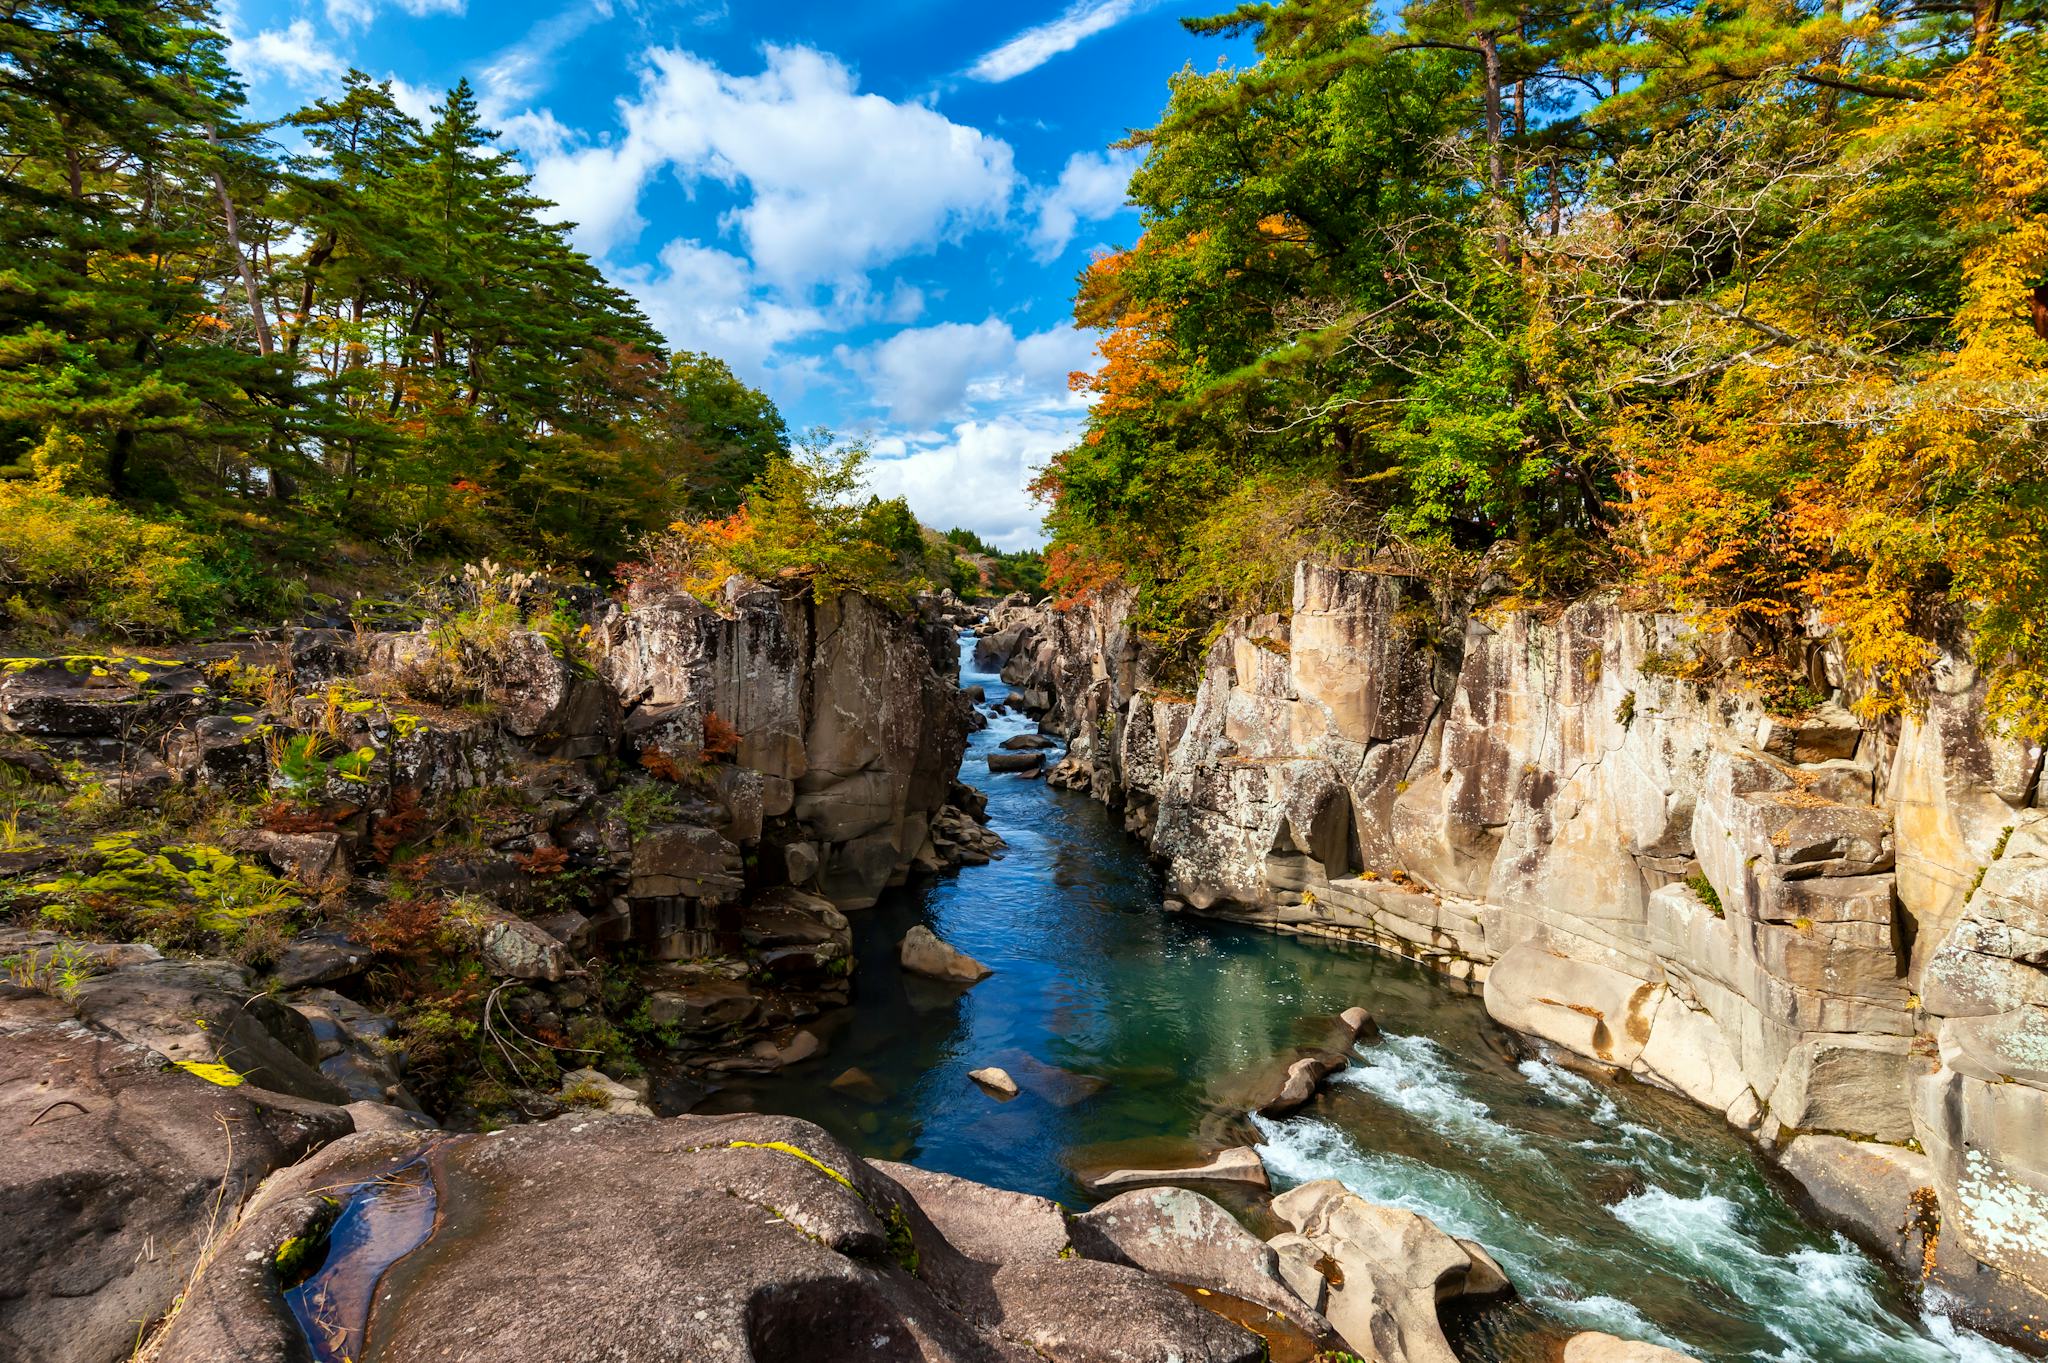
[1819,927]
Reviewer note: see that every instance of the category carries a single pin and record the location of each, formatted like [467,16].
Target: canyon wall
[1834,933]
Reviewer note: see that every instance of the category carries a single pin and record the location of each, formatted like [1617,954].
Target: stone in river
[922,953]
[858,1083]
[1015,761]
[1360,1023]
[1028,743]
[1393,1270]
[1304,1076]
[995,1079]
[1240,1165]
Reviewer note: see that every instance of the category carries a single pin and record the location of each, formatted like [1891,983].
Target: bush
[803,518]
[72,554]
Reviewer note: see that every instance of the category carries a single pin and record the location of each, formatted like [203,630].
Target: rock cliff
[1651,846]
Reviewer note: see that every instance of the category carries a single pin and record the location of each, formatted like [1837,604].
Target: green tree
[734,429]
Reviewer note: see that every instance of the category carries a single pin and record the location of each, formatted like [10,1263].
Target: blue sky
[874,209]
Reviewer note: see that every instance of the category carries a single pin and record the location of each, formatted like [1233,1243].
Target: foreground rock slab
[752,1239]
[1180,1235]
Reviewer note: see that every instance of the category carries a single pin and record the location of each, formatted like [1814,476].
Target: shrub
[803,518]
[71,553]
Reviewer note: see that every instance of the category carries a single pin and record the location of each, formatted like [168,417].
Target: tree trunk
[1984,18]
[1488,42]
[248,272]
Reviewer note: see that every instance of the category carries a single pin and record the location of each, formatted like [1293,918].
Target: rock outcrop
[1653,847]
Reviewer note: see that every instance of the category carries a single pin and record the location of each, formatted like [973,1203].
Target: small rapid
[1566,1181]
[1613,1206]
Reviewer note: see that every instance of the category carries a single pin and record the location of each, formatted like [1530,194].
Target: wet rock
[111,1169]
[317,958]
[1015,761]
[1028,743]
[1593,1347]
[1360,1024]
[776,1243]
[1241,1165]
[996,1080]
[922,953]
[1393,1269]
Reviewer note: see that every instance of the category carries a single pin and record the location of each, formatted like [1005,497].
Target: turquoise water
[1138,1035]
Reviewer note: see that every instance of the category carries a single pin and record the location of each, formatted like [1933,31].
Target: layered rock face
[846,716]
[1807,923]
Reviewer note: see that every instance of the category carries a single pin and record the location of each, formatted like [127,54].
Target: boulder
[995,1079]
[1590,1346]
[211,1014]
[593,1088]
[1028,743]
[1360,1024]
[1015,761]
[116,1169]
[1238,1165]
[1182,1236]
[1304,1077]
[1394,1269]
[922,953]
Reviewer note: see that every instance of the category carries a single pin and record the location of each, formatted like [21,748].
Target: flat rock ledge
[754,1239]
[1240,1165]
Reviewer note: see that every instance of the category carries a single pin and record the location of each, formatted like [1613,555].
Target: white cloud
[922,374]
[345,14]
[521,71]
[704,298]
[926,375]
[831,182]
[1091,187]
[417,101]
[976,477]
[1034,47]
[292,53]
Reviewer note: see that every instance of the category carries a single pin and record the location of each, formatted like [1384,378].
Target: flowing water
[1138,1036]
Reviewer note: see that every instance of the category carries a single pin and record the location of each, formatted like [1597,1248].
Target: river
[1613,1206]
